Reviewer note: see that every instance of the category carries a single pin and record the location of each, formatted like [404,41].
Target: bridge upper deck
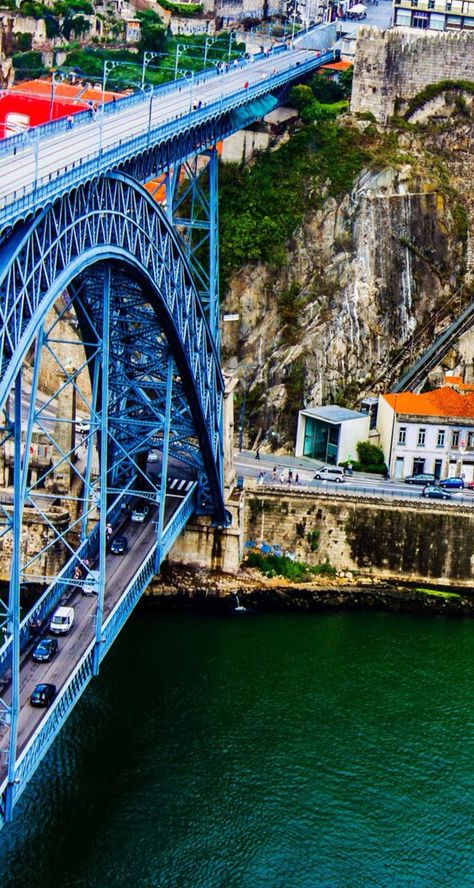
[45,163]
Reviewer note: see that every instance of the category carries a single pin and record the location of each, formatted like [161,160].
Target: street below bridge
[120,571]
[360,484]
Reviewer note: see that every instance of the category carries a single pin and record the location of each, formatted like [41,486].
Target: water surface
[261,752]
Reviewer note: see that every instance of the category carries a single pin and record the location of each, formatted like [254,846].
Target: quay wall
[404,540]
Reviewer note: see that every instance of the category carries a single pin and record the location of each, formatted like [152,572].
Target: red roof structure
[444,401]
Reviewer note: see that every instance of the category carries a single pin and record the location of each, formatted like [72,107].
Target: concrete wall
[391,64]
[415,541]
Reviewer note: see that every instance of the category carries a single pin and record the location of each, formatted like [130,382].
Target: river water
[261,752]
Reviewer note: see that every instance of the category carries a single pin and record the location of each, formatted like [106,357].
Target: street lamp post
[54,74]
[232,39]
[180,49]
[147,58]
[189,76]
[208,43]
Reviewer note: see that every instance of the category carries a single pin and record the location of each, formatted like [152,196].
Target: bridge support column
[164,463]
[13,624]
[104,413]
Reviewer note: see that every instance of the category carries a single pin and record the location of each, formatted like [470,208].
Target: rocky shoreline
[187,588]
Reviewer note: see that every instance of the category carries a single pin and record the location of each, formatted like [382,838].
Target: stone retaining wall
[395,64]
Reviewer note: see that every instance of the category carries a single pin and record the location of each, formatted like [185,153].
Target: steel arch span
[107,359]
[114,219]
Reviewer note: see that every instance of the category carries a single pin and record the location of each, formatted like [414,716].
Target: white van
[62,620]
[330,473]
[91,583]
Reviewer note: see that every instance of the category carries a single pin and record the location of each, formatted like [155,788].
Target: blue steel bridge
[111,391]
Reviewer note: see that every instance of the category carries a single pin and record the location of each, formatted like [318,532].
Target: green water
[261,752]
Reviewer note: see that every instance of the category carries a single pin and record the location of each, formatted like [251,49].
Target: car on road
[119,545]
[452,483]
[62,620]
[153,456]
[330,473]
[45,650]
[431,491]
[140,513]
[83,427]
[43,695]
[91,583]
[423,478]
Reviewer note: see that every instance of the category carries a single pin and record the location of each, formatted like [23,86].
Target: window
[402,435]
[431,4]
[418,466]
[441,436]
[421,437]
[455,440]
[470,439]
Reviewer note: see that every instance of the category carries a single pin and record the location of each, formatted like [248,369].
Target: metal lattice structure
[111,393]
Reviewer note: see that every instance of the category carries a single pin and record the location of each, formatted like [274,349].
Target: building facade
[331,434]
[434,15]
[429,432]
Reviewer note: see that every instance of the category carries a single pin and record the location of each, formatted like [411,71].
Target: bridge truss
[109,357]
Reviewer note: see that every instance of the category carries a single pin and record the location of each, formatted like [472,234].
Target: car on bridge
[43,695]
[422,478]
[452,483]
[140,513]
[45,650]
[119,545]
[62,620]
[431,491]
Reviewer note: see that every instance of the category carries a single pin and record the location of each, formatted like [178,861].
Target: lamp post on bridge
[107,67]
[180,50]
[208,43]
[147,58]
[54,74]
[189,76]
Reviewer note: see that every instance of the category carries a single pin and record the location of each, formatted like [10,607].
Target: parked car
[330,473]
[91,583]
[45,650]
[83,427]
[62,620]
[119,545]
[433,492]
[423,478]
[140,513]
[452,483]
[43,695]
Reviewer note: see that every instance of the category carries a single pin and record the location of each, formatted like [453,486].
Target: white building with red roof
[429,432]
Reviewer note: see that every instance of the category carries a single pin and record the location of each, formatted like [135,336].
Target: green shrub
[282,566]
[370,455]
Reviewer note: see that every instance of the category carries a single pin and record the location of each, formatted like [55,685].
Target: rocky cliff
[369,276]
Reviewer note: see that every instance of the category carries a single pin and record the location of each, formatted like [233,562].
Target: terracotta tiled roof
[443,401]
[337,66]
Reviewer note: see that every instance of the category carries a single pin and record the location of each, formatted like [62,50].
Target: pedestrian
[70,121]
[257,453]
[274,473]
[109,531]
[297,478]
[246,84]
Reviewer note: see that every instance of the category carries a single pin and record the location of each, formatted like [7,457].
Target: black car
[119,545]
[422,478]
[45,650]
[43,695]
[432,492]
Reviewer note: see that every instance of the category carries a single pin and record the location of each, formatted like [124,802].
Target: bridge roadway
[120,570]
[55,153]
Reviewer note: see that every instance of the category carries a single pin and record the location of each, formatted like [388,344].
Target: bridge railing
[52,185]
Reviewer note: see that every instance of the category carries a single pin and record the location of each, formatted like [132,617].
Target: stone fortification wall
[404,540]
[394,64]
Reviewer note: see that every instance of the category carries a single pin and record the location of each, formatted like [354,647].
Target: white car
[62,620]
[140,513]
[91,583]
[83,427]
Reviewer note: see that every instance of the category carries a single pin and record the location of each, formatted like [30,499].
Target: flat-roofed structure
[331,434]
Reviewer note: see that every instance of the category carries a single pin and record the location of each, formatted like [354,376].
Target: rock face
[371,273]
